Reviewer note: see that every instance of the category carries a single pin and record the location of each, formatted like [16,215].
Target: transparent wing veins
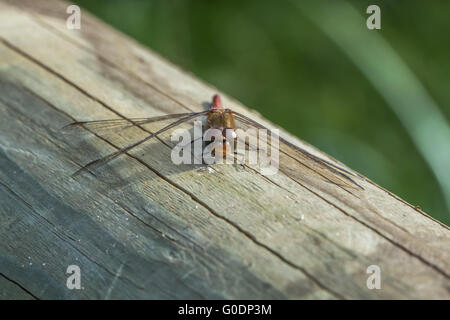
[119,124]
[102,161]
[324,163]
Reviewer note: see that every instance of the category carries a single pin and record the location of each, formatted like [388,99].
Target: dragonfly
[294,161]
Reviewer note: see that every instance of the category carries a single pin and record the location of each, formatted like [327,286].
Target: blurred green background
[276,57]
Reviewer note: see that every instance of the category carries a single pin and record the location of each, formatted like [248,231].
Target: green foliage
[274,59]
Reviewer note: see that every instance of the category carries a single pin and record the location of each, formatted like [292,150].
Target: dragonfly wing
[115,125]
[292,156]
[102,161]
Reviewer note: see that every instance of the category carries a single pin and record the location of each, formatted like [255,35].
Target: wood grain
[143,228]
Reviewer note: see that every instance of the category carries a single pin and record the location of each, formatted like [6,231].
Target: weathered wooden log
[145,228]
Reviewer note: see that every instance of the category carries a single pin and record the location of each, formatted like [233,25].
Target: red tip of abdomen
[216,102]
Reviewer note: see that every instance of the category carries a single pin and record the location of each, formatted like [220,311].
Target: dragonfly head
[216,102]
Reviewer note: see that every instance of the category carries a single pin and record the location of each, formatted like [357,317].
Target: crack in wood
[19,286]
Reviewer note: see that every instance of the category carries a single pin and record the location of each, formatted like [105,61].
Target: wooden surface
[144,228]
